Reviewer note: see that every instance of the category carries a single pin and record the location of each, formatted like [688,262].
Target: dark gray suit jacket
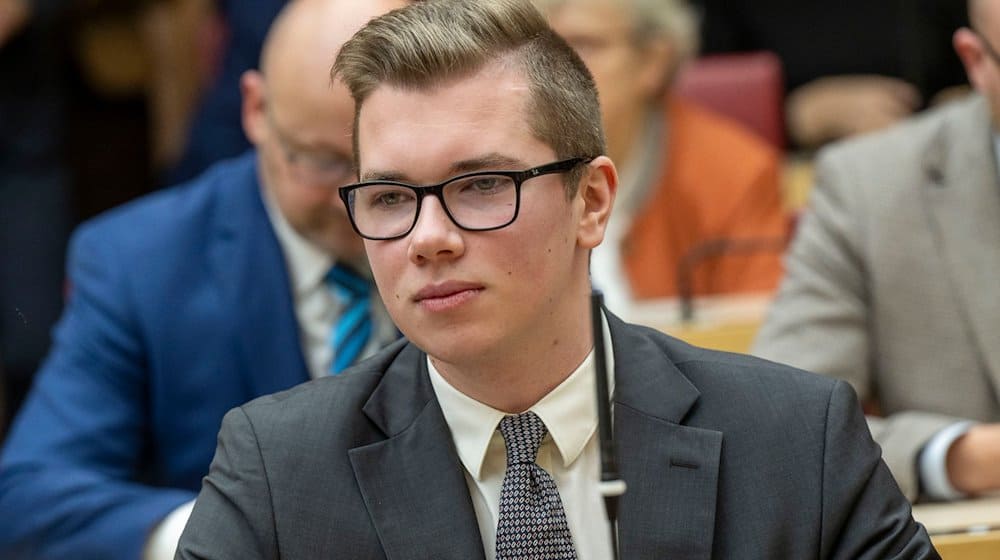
[725,456]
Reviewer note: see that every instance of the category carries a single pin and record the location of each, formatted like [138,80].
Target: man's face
[464,296]
[303,137]
[628,77]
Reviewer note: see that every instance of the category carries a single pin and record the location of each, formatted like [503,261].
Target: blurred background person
[850,67]
[694,185]
[892,281]
[193,301]
[91,93]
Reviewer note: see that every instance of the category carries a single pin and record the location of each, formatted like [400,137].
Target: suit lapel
[963,201]
[253,284]
[412,482]
[671,470]
[416,494]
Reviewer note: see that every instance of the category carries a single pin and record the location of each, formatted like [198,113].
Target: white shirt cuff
[162,543]
[933,467]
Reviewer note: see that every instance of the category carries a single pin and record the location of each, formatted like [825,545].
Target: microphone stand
[611,485]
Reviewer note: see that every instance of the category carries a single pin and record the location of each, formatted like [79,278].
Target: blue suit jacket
[180,309]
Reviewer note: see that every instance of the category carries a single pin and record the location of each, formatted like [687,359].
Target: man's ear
[597,190]
[254,106]
[970,51]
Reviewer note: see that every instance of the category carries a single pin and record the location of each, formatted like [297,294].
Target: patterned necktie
[354,326]
[532,523]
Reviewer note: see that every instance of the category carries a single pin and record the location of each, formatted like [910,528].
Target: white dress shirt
[569,453]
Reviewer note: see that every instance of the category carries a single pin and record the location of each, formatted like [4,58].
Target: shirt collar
[307,263]
[569,412]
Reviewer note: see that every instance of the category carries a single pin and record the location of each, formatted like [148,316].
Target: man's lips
[445,290]
[446,296]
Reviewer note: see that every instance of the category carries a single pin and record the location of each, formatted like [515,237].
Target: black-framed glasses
[478,201]
[988,47]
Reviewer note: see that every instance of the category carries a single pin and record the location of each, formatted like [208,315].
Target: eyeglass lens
[474,202]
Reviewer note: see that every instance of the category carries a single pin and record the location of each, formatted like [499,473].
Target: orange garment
[720,182]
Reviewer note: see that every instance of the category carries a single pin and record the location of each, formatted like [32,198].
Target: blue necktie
[354,326]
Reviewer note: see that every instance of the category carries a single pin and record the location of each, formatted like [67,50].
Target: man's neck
[523,371]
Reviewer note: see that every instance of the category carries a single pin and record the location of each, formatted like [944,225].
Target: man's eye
[485,185]
[391,198]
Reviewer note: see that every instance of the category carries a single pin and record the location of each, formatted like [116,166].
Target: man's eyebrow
[389,175]
[489,162]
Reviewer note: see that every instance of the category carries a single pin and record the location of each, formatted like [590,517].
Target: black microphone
[611,485]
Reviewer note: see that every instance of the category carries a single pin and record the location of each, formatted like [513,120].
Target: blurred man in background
[892,281]
[246,281]
[690,178]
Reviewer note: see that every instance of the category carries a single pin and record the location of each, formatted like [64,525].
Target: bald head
[300,122]
[304,39]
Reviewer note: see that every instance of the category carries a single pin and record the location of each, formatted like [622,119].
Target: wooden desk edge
[968,546]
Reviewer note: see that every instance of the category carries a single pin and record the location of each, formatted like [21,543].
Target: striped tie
[354,328]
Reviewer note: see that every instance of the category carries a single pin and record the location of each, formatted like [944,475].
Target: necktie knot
[347,282]
[532,522]
[523,436]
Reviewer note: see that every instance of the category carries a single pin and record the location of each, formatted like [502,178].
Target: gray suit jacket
[893,280]
[725,456]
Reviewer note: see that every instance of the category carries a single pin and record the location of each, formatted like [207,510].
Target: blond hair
[435,41]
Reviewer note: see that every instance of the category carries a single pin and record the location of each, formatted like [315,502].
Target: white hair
[672,20]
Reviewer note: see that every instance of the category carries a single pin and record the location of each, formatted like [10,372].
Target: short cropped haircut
[432,42]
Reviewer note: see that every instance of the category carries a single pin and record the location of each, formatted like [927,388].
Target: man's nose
[435,236]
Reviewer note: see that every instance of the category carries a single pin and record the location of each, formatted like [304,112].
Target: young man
[483,191]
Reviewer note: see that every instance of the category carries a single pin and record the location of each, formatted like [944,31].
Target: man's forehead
[488,104]
[505,70]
